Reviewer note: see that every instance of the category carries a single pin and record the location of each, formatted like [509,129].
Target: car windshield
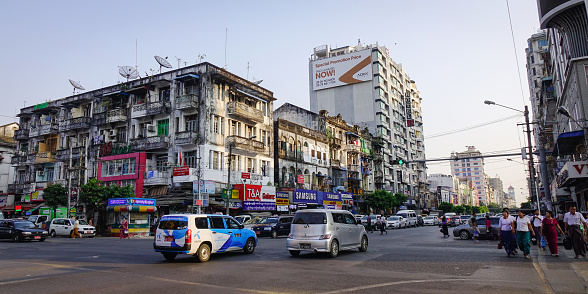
[393,218]
[310,218]
[402,214]
[430,217]
[24,225]
[253,221]
[269,220]
[83,222]
[464,216]
[240,219]
[173,224]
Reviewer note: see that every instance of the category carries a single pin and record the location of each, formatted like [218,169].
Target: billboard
[342,70]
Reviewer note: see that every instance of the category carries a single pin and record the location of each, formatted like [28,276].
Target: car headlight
[26,233]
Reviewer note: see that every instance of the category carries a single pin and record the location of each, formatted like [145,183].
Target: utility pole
[531,161]
[229,188]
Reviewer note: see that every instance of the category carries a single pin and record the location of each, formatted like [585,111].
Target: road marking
[366,287]
[548,289]
[20,281]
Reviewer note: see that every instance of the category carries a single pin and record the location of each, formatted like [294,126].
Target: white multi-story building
[497,190]
[469,165]
[511,199]
[369,89]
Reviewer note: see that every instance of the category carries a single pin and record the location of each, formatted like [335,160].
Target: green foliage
[399,199]
[475,209]
[526,204]
[468,208]
[493,205]
[55,196]
[446,207]
[96,195]
[484,209]
[379,200]
[459,209]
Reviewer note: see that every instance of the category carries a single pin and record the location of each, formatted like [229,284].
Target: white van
[410,217]
[201,235]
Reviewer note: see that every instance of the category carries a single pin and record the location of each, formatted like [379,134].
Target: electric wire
[472,127]
[515,51]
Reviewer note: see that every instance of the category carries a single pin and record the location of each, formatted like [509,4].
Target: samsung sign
[342,70]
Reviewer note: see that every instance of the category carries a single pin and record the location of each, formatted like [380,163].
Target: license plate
[37,237]
[88,232]
[304,246]
[169,238]
[256,232]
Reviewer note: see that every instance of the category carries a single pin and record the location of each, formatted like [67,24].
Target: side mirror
[241,226]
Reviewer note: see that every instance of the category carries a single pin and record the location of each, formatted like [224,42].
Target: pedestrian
[369,223]
[572,221]
[537,221]
[75,232]
[474,224]
[444,227]
[383,225]
[91,221]
[124,229]
[489,235]
[506,231]
[549,228]
[524,229]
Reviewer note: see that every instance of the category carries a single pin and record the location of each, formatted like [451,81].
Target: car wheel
[464,235]
[294,252]
[249,246]
[42,239]
[334,251]
[364,244]
[16,238]
[169,255]
[274,234]
[203,252]
[53,234]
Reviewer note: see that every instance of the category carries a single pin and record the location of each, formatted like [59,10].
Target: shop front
[138,211]
[330,200]
[573,177]
[257,197]
[303,199]
[123,170]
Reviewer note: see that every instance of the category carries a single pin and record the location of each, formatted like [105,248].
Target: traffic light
[398,161]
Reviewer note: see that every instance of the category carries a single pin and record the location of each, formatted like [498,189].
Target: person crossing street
[572,222]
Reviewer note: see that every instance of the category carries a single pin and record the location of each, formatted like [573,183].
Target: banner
[342,70]
[205,187]
[305,196]
[257,205]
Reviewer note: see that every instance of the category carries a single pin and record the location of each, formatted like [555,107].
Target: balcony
[352,149]
[387,177]
[384,123]
[335,162]
[45,157]
[187,137]
[154,178]
[22,134]
[15,188]
[291,155]
[75,123]
[99,118]
[18,159]
[31,158]
[244,111]
[157,107]
[246,144]
[353,167]
[44,129]
[151,143]
[139,110]
[116,115]
[378,157]
[63,154]
[188,102]
[335,143]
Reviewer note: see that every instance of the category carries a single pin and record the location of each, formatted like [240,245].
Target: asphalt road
[414,260]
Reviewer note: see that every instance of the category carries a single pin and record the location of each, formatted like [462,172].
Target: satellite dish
[76,85]
[128,72]
[258,82]
[162,62]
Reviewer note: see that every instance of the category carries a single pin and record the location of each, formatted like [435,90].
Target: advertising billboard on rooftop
[342,70]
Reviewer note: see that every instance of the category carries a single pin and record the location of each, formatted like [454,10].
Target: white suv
[64,227]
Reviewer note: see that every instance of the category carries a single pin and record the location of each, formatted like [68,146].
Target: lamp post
[530,149]
[231,145]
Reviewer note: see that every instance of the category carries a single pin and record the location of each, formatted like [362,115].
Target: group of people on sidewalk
[516,232]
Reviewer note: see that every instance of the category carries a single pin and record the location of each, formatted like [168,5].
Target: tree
[55,196]
[446,207]
[484,209]
[379,200]
[526,204]
[493,206]
[475,209]
[468,208]
[459,209]
[398,200]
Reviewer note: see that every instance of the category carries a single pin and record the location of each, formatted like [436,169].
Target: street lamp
[530,147]
[564,111]
[231,144]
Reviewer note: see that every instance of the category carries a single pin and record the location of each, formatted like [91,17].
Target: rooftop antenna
[248,70]
[226,36]
[76,85]
[179,59]
[128,72]
[162,62]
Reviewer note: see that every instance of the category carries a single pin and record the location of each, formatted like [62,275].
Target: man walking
[536,221]
[572,221]
[474,224]
[369,223]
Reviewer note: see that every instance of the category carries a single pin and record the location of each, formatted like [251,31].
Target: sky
[459,53]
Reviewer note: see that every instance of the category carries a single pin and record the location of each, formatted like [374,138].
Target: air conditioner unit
[112,133]
[151,128]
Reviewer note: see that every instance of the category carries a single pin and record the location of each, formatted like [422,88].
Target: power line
[473,127]
[515,51]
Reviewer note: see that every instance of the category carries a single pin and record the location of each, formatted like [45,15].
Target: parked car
[374,220]
[325,230]
[64,227]
[410,217]
[455,221]
[273,226]
[431,220]
[19,230]
[396,222]
[201,235]
[465,232]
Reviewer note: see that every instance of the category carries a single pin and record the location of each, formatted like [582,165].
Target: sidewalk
[562,274]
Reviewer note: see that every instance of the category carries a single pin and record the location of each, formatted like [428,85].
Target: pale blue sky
[460,53]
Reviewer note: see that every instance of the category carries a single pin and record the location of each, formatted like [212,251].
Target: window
[339,218]
[533,61]
[161,163]
[265,168]
[201,223]
[163,127]
[216,160]
[250,165]
[231,224]
[121,134]
[190,159]
[190,121]
[533,70]
[217,223]
[349,219]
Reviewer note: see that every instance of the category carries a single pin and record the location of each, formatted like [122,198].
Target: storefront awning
[567,142]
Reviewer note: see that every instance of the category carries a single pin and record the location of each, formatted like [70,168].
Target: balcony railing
[43,157]
[336,162]
[188,101]
[291,155]
[388,177]
[157,107]
[151,143]
[99,118]
[157,178]
[139,110]
[116,115]
[15,188]
[246,144]
[242,110]
[335,142]
[18,159]
[63,154]
[31,158]
[75,123]
[44,129]
[22,134]
[187,137]
[352,148]
[353,167]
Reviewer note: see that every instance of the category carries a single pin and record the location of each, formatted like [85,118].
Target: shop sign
[259,205]
[205,187]
[282,198]
[203,201]
[235,194]
[108,149]
[268,194]
[38,195]
[245,176]
[282,208]
[300,179]
[131,201]
[181,171]
[346,196]
[6,200]
[305,196]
